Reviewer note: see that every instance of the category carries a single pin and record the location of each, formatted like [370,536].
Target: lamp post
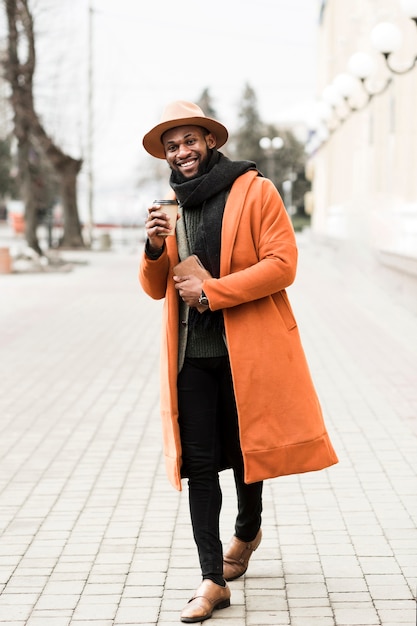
[90,127]
[270,146]
[287,186]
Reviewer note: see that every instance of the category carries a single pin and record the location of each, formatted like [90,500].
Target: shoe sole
[195,620]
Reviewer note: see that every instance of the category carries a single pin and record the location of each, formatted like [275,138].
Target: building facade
[363,152]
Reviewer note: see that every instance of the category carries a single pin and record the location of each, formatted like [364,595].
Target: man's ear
[211,140]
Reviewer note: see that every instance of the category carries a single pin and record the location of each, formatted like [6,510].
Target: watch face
[203,300]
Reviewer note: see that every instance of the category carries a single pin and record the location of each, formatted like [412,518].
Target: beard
[178,176]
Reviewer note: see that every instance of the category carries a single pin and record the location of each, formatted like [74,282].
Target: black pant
[210,442]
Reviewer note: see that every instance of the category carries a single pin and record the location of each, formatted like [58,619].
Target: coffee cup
[170,208]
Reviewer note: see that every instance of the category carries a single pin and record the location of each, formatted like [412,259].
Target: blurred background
[321,94]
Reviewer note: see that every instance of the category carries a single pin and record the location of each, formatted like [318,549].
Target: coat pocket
[285,310]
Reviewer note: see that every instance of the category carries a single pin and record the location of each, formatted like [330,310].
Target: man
[235,386]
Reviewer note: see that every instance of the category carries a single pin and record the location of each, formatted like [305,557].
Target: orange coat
[280,420]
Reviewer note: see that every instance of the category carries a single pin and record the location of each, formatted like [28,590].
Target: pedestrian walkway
[92,533]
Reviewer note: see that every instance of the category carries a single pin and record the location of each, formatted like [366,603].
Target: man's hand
[157,227]
[189,288]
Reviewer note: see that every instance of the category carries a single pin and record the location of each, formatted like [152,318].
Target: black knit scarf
[208,191]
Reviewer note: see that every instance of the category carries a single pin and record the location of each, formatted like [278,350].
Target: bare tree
[29,131]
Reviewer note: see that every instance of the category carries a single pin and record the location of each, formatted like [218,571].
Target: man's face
[186,148]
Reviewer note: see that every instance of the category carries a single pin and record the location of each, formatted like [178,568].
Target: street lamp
[360,66]
[275,143]
[287,186]
[387,37]
[344,84]
[409,8]
[331,96]
[270,146]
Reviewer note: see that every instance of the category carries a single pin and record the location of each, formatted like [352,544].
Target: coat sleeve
[153,275]
[262,245]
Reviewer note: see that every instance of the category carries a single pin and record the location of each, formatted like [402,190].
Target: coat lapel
[231,218]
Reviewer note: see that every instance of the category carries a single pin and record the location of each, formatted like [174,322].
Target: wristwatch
[203,299]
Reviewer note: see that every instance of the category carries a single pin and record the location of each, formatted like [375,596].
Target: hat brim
[152,141]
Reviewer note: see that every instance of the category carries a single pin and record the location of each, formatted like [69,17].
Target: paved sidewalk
[91,531]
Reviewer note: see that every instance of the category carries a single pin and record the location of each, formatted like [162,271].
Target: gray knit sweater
[201,342]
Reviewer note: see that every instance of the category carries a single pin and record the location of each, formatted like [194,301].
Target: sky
[146,54]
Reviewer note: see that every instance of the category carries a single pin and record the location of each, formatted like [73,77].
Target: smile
[187,164]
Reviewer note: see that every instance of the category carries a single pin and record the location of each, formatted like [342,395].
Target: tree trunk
[68,189]
[28,184]
[20,75]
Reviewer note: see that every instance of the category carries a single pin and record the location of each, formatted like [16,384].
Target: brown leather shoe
[209,597]
[236,558]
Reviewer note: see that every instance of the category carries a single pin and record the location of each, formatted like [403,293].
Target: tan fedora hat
[181,113]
